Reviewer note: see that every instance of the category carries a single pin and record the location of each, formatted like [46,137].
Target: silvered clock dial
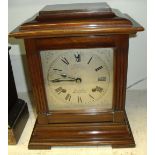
[78,78]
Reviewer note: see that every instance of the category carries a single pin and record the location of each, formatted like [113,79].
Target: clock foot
[118,135]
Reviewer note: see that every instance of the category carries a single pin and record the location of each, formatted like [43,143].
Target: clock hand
[62,80]
[78,80]
[65,76]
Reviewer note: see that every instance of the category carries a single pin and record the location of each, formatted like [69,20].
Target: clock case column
[80,26]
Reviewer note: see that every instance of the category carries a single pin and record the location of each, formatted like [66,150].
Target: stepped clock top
[76,20]
[78,6]
[78,10]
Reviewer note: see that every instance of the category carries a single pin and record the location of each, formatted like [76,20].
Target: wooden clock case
[68,27]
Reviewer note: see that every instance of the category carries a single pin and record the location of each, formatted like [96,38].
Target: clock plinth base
[118,135]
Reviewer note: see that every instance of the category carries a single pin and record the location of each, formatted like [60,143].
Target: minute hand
[63,80]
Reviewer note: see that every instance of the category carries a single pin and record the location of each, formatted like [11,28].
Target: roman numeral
[68,97]
[79,99]
[60,90]
[97,69]
[89,60]
[77,57]
[91,96]
[102,78]
[65,60]
[97,89]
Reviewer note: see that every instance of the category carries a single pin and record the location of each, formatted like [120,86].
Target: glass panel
[78,78]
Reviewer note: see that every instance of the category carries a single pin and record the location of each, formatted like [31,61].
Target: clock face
[78,78]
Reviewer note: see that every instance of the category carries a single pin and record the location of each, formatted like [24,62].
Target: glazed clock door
[78,79]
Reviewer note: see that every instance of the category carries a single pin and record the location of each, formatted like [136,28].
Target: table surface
[136,107]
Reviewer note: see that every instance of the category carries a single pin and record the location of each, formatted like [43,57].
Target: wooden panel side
[75,42]
[120,71]
[34,63]
[79,117]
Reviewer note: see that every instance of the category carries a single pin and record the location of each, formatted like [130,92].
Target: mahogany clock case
[98,27]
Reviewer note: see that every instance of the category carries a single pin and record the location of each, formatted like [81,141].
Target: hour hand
[66,76]
[55,80]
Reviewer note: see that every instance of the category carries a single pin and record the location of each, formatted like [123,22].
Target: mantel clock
[77,57]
